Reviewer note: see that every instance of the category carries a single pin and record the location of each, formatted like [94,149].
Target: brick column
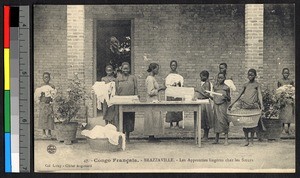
[75,40]
[90,59]
[254,22]
[75,47]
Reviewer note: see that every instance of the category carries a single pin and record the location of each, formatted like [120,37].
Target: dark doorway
[113,44]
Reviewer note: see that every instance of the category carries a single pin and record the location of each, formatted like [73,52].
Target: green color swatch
[7,111]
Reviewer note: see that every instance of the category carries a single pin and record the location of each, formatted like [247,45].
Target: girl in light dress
[153,122]
[174,80]
[44,96]
[287,113]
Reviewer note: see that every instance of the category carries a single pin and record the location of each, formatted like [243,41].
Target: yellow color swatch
[6,69]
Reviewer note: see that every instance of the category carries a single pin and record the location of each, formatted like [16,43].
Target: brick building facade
[199,37]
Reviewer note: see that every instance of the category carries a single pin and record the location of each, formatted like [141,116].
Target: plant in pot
[274,102]
[271,124]
[66,106]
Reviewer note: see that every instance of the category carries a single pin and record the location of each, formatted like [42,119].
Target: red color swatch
[6,26]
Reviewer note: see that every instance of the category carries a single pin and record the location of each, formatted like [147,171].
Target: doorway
[113,44]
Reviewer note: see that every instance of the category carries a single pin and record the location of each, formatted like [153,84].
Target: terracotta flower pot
[66,132]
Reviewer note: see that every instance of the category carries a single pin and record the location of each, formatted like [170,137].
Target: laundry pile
[109,131]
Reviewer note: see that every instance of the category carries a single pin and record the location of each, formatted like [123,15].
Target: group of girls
[250,97]
[213,116]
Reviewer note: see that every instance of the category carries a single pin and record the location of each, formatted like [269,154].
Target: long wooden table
[164,106]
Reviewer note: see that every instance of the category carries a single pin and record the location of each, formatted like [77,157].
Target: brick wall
[50,46]
[197,36]
[279,42]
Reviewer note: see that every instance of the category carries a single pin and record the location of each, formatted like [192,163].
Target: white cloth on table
[179,92]
[124,99]
[173,80]
[104,91]
[109,131]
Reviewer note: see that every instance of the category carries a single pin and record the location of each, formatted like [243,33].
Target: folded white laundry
[109,131]
[179,92]
[47,90]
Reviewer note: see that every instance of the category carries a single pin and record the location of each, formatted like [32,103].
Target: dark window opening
[113,44]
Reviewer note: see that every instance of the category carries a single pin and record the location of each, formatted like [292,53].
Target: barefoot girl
[250,98]
[221,103]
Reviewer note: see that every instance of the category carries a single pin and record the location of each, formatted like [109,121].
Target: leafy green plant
[285,95]
[66,105]
[270,104]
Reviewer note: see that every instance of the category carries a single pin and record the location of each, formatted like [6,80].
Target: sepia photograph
[168,88]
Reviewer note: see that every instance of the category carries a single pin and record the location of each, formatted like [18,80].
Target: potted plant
[66,106]
[274,102]
[271,124]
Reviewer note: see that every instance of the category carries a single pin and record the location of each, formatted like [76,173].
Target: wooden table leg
[199,125]
[163,121]
[195,126]
[120,118]
[183,119]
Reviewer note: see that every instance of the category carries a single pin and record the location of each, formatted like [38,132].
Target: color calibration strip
[17,89]
[7,129]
